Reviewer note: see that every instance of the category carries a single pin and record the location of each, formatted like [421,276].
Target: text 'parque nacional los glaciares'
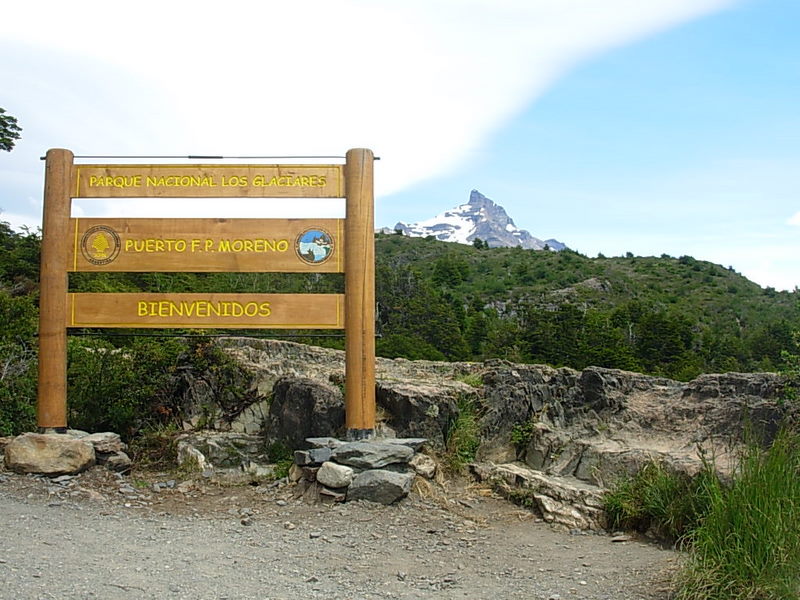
[208,181]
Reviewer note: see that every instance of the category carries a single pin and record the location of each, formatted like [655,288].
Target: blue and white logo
[314,246]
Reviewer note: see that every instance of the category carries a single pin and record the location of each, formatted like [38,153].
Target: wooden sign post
[359,285]
[209,245]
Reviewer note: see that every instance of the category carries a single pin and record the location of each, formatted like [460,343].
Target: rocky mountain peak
[479,200]
[480,218]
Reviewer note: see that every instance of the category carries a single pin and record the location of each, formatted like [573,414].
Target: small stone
[310,473]
[289,525]
[105,442]
[246,521]
[281,502]
[414,443]
[423,465]
[314,535]
[328,495]
[319,455]
[119,461]
[295,473]
[324,442]
[621,538]
[302,458]
[334,475]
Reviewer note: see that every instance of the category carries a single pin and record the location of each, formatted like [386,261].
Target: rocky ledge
[558,436]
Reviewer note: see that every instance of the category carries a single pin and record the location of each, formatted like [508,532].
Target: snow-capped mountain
[479,218]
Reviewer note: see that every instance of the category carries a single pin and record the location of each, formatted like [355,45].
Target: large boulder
[419,411]
[371,455]
[384,487]
[304,408]
[49,454]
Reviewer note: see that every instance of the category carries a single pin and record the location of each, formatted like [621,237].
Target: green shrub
[18,364]
[148,383]
[668,503]
[748,546]
[463,436]
[125,389]
[18,374]
[282,457]
[521,435]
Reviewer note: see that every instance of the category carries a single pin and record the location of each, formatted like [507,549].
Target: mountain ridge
[480,218]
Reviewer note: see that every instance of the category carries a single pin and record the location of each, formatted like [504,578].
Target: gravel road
[85,541]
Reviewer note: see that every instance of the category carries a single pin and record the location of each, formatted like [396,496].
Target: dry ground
[101,535]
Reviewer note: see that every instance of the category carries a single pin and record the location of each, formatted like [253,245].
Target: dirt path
[102,536]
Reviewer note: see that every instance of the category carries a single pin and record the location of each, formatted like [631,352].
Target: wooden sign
[207,245]
[207,181]
[203,311]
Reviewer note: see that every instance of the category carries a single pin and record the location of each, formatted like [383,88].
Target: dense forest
[676,317]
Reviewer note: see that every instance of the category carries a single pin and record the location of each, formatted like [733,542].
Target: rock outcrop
[301,408]
[558,427]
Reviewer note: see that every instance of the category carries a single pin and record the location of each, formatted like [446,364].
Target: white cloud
[794,219]
[423,83]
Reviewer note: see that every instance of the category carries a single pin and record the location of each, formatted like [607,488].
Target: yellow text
[202,308]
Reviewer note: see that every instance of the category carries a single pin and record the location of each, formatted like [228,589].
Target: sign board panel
[207,245]
[201,311]
[207,181]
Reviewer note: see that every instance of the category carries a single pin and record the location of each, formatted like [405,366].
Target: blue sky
[686,142]
[660,127]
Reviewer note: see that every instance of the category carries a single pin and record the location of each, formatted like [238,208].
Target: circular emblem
[314,246]
[100,245]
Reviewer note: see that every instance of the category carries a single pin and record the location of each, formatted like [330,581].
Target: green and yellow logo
[100,245]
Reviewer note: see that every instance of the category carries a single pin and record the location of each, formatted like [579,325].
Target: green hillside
[677,317]
[672,316]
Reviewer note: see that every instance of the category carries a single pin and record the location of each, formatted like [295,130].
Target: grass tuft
[463,437]
[748,545]
[662,501]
